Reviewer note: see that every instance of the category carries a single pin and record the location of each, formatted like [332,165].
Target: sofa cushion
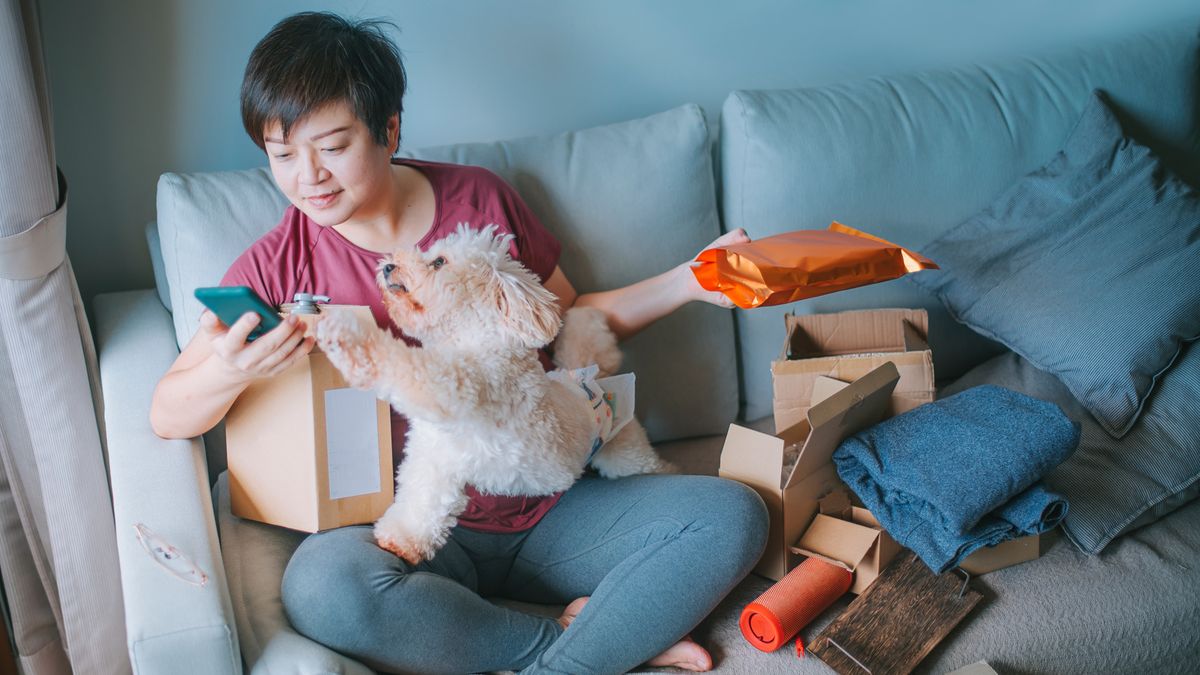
[1115,485]
[205,221]
[156,264]
[908,157]
[1069,266]
[627,201]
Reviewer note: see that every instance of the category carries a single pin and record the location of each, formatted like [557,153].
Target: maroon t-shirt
[299,255]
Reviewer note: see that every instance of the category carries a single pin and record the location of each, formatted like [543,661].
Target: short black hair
[312,59]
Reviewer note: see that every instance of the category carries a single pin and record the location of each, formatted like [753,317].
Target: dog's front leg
[355,349]
[429,498]
[370,358]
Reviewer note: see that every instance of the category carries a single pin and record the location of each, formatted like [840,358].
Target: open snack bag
[803,264]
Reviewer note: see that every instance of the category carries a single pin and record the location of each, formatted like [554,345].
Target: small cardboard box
[848,536]
[984,560]
[308,452]
[1006,554]
[757,459]
[846,346]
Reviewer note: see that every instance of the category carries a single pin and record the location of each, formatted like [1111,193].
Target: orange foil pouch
[803,264]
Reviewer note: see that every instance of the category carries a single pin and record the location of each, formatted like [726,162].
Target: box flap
[824,387]
[916,335]
[864,517]
[861,404]
[865,331]
[836,504]
[752,457]
[837,540]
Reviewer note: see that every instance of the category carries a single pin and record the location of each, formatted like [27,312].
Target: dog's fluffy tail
[585,339]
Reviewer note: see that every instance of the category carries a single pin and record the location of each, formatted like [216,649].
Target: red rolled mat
[789,605]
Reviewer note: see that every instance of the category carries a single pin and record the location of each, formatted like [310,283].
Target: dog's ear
[529,311]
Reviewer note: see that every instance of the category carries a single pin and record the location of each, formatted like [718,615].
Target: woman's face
[330,167]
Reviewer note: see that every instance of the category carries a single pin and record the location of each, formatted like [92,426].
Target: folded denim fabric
[958,474]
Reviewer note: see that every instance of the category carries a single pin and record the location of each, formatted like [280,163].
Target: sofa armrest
[164,485]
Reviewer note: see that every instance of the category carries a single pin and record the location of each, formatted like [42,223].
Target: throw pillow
[1086,267]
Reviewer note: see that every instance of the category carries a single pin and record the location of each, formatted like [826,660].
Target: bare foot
[572,610]
[685,654]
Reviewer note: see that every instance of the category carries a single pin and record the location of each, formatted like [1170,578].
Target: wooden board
[897,621]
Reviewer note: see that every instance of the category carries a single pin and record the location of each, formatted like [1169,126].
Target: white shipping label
[352,437]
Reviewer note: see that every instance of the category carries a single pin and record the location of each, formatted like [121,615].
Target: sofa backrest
[907,157]
[627,201]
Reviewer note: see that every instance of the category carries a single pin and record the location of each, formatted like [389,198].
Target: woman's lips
[323,200]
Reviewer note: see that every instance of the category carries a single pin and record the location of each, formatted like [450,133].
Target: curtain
[58,558]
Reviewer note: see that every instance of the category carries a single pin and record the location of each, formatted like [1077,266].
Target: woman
[640,561]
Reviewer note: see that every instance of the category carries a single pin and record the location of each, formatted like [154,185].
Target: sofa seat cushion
[1140,601]
[908,157]
[255,557]
[627,201]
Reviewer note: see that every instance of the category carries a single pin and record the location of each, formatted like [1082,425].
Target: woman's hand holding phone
[270,354]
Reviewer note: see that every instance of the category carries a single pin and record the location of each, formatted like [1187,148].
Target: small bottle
[306,303]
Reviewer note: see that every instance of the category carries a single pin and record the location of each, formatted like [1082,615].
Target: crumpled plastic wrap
[803,264]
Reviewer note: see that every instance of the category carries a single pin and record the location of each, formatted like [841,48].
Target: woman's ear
[393,133]
[528,311]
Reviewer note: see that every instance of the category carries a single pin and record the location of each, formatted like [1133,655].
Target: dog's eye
[437,263]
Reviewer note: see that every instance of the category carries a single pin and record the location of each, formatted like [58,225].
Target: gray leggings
[655,553]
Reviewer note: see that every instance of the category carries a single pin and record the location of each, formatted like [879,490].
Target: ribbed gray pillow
[1116,485]
[1089,267]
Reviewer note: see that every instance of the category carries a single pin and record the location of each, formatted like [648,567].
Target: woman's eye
[333,150]
[438,262]
[282,155]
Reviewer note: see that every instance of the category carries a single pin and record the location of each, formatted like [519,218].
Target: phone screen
[229,303]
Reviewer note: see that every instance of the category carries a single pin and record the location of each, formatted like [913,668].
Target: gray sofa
[903,157]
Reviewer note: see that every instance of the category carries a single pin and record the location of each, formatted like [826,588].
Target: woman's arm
[632,308]
[215,367]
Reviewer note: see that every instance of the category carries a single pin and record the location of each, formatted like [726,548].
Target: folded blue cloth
[958,474]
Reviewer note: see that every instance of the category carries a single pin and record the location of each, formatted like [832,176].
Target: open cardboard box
[982,561]
[847,346]
[848,536]
[308,452]
[757,459]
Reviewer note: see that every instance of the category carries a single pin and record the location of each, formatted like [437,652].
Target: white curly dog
[481,408]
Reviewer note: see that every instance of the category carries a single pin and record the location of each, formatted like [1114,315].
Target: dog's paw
[338,329]
[584,339]
[392,536]
[349,347]
[629,453]
[409,555]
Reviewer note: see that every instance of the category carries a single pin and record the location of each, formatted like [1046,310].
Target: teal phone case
[229,303]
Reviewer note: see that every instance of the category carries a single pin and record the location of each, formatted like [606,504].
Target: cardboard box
[847,346]
[308,452]
[984,560]
[1007,554]
[757,459]
[848,536]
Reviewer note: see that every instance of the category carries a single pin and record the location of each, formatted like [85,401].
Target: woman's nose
[311,170]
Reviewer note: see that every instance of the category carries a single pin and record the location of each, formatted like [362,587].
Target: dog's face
[467,290]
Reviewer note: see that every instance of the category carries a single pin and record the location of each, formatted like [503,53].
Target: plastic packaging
[803,264]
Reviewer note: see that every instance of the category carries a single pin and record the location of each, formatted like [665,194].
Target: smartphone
[229,303]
